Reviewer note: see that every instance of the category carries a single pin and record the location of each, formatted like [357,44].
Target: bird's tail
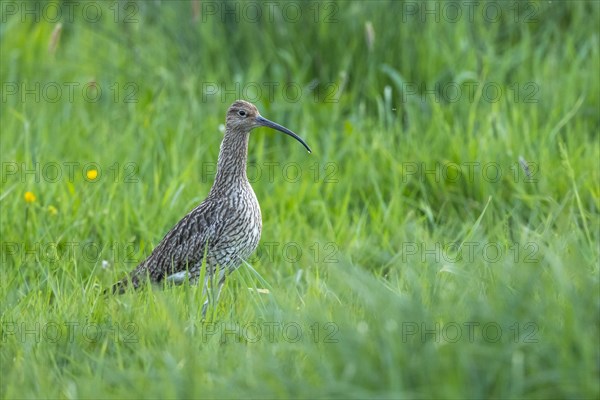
[121,286]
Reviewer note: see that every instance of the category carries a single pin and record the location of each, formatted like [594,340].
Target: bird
[225,228]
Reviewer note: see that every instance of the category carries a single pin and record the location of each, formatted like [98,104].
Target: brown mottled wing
[180,250]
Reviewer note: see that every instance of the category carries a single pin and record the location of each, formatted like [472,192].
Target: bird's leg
[204,292]
[221,283]
[212,297]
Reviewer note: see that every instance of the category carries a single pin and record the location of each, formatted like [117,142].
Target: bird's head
[243,117]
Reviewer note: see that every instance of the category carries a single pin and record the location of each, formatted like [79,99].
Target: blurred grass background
[366,251]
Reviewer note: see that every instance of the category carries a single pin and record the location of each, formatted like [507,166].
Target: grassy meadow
[441,241]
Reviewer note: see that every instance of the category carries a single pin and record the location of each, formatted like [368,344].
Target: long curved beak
[265,122]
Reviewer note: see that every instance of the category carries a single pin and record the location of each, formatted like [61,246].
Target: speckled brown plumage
[226,226]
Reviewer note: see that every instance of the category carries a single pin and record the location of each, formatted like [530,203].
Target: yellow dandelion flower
[29,197]
[92,174]
[52,210]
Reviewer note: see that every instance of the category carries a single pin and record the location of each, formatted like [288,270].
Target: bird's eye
[242,113]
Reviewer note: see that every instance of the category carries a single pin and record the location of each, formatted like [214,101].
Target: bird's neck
[233,156]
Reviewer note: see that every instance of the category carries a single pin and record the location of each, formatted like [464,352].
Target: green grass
[388,275]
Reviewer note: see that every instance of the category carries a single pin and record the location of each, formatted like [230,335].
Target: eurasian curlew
[225,228]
